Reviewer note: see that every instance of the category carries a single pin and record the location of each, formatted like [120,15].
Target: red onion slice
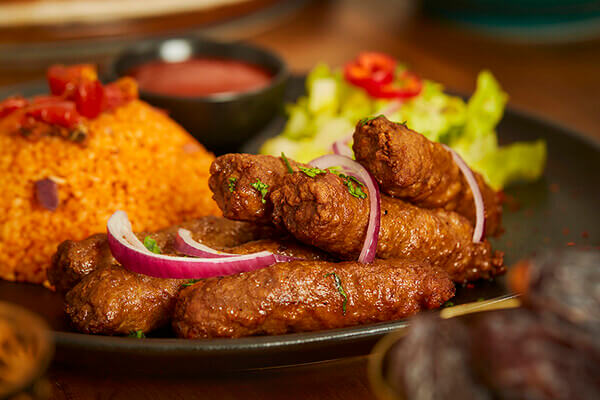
[46,192]
[341,148]
[188,246]
[127,249]
[353,168]
[477,196]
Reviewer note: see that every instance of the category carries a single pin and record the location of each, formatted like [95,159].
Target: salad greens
[332,107]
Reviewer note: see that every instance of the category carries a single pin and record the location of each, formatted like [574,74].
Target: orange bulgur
[135,159]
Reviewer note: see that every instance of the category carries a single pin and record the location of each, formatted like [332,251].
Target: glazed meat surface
[75,259]
[302,296]
[112,300]
[320,211]
[232,177]
[409,166]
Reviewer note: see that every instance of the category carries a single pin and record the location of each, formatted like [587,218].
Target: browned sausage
[302,296]
[112,300]
[321,212]
[75,259]
[409,166]
[233,181]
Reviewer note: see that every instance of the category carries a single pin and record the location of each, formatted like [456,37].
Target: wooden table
[558,82]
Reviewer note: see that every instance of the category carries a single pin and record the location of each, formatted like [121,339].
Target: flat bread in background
[14,13]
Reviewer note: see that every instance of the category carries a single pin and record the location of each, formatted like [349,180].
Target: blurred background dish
[222,93]
[25,353]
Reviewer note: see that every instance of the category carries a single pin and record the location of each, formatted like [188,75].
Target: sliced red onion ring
[477,196]
[188,246]
[353,168]
[128,250]
[341,148]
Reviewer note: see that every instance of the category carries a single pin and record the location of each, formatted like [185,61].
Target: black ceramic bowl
[221,122]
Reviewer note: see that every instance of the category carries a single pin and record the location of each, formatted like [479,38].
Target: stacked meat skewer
[425,244]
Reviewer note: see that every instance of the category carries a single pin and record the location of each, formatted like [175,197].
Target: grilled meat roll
[409,166]
[241,184]
[75,259]
[302,296]
[321,211]
[112,300]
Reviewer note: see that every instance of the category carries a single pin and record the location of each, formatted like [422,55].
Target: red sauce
[200,77]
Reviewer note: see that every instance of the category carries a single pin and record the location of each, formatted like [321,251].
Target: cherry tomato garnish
[61,113]
[63,80]
[89,98]
[119,93]
[11,104]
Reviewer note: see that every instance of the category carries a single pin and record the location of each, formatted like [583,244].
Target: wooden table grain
[560,82]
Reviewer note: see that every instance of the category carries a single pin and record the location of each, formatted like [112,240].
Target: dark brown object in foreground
[231,180]
[524,356]
[504,355]
[75,259]
[561,284]
[409,166]
[433,361]
[302,296]
[321,212]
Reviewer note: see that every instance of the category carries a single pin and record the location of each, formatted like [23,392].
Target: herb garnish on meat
[190,282]
[367,119]
[139,334]
[340,289]
[312,172]
[350,181]
[232,181]
[287,163]
[263,188]
[151,245]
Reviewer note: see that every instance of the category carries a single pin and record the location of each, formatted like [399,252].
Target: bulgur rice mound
[135,159]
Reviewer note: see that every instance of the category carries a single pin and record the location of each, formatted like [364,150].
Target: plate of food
[380,196]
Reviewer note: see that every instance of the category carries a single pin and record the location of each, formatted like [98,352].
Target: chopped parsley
[367,119]
[261,187]
[190,282]
[448,304]
[402,123]
[355,191]
[151,245]
[354,185]
[139,334]
[340,289]
[287,163]
[312,172]
[232,181]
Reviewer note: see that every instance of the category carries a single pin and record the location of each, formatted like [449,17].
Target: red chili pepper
[61,113]
[370,70]
[409,85]
[11,104]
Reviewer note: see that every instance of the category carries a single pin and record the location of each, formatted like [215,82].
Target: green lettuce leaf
[332,107]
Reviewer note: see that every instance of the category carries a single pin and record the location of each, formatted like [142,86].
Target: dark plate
[558,210]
